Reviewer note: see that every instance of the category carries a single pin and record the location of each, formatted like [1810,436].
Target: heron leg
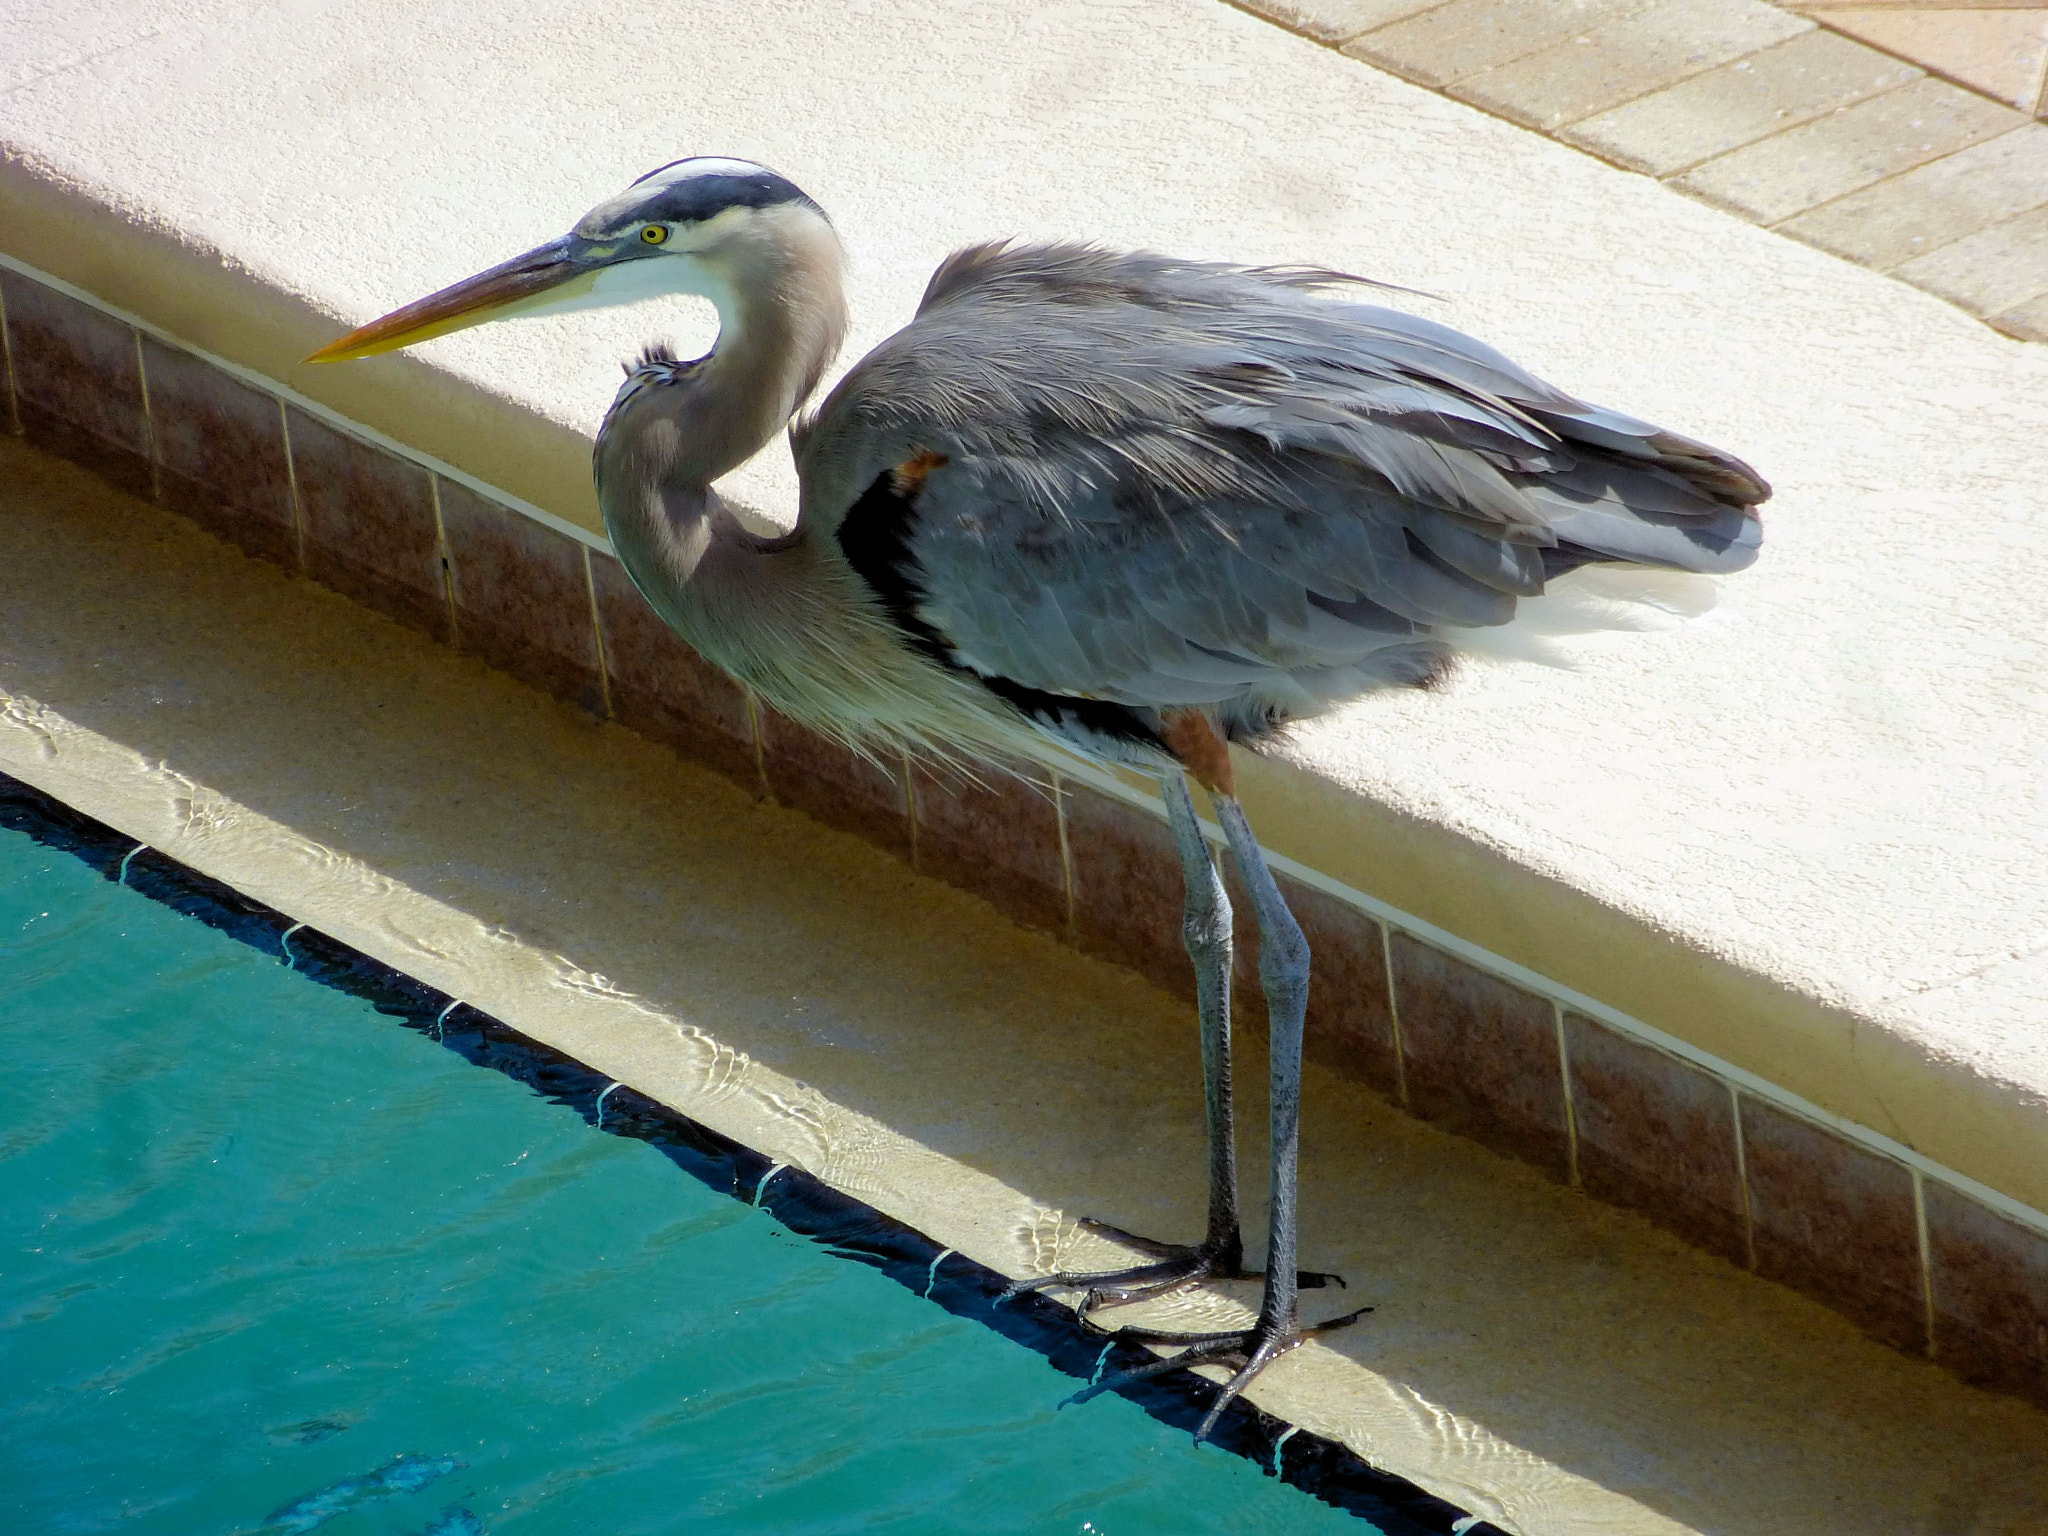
[1206,930]
[1284,974]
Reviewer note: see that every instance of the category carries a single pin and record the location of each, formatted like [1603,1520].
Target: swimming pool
[281,1263]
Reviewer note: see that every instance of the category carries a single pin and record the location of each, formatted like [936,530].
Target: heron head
[690,227]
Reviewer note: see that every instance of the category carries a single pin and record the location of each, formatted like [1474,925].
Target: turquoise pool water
[271,1261]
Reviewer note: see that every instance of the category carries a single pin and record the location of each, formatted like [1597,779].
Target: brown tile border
[1768,111]
[656,685]
[1988,1283]
[1350,997]
[1917,1254]
[1657,1135]
[1480,1055]
[1125,888]
[75,375]
[1836,1221]
[521,596]
[220,453]
[833,784]
[1001,838]
[370,525]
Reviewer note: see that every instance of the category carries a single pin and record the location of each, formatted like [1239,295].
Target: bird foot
[1177,1266]
[1245,1351]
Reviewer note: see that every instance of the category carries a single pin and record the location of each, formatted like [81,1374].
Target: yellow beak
[470,302]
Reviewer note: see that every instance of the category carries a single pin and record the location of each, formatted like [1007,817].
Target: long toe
[1247,1351]
[1145,1245]
[1114,1287]
[1227,1268]
[1262,1353]
[1174,1266]
[1223,1352]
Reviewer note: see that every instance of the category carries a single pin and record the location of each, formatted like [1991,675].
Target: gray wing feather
[1167,482]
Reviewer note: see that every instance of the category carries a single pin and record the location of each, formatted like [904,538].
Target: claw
[1115,1287]
[1178,1265]
[1158,1367]
[1254,1360]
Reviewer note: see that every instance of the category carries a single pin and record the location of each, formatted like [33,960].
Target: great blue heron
[1136,506]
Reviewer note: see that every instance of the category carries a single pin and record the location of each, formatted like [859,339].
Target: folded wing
[1169,483]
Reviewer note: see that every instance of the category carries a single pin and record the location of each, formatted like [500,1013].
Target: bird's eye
[654,234]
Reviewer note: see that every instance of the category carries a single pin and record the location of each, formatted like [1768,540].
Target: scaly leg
[1284,972]
[1206,930]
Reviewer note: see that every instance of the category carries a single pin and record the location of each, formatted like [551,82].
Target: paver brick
[1628,57]
[1944,200]
[1847,150]
[1994,46]
[1332,21]
[1466,36]
[1994,270]
[1739,103]
[2028,321]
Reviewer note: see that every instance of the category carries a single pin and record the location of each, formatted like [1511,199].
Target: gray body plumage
[1171,483]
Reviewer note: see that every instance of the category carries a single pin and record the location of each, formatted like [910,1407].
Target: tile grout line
[1742,1179]
[604,660]
[909,802]
[1920,64]
[1059,812]
[1553,133]
[291,475]
[1571,1113]
[762,788]
[156,486]
[7,364]
[1638,9]
[447,558]
[1926,1258]
[1394,1013]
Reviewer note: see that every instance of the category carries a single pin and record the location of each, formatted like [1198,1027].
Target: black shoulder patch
[875,538]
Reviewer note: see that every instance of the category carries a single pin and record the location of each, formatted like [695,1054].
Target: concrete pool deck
[1558,1366]
[1759,897]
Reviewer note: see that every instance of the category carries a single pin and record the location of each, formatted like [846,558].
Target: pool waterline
[798,1202]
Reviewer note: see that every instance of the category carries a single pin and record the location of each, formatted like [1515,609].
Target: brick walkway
[1912,138]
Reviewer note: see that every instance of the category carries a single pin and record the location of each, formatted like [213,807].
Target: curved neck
[777,281]
[788,617]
